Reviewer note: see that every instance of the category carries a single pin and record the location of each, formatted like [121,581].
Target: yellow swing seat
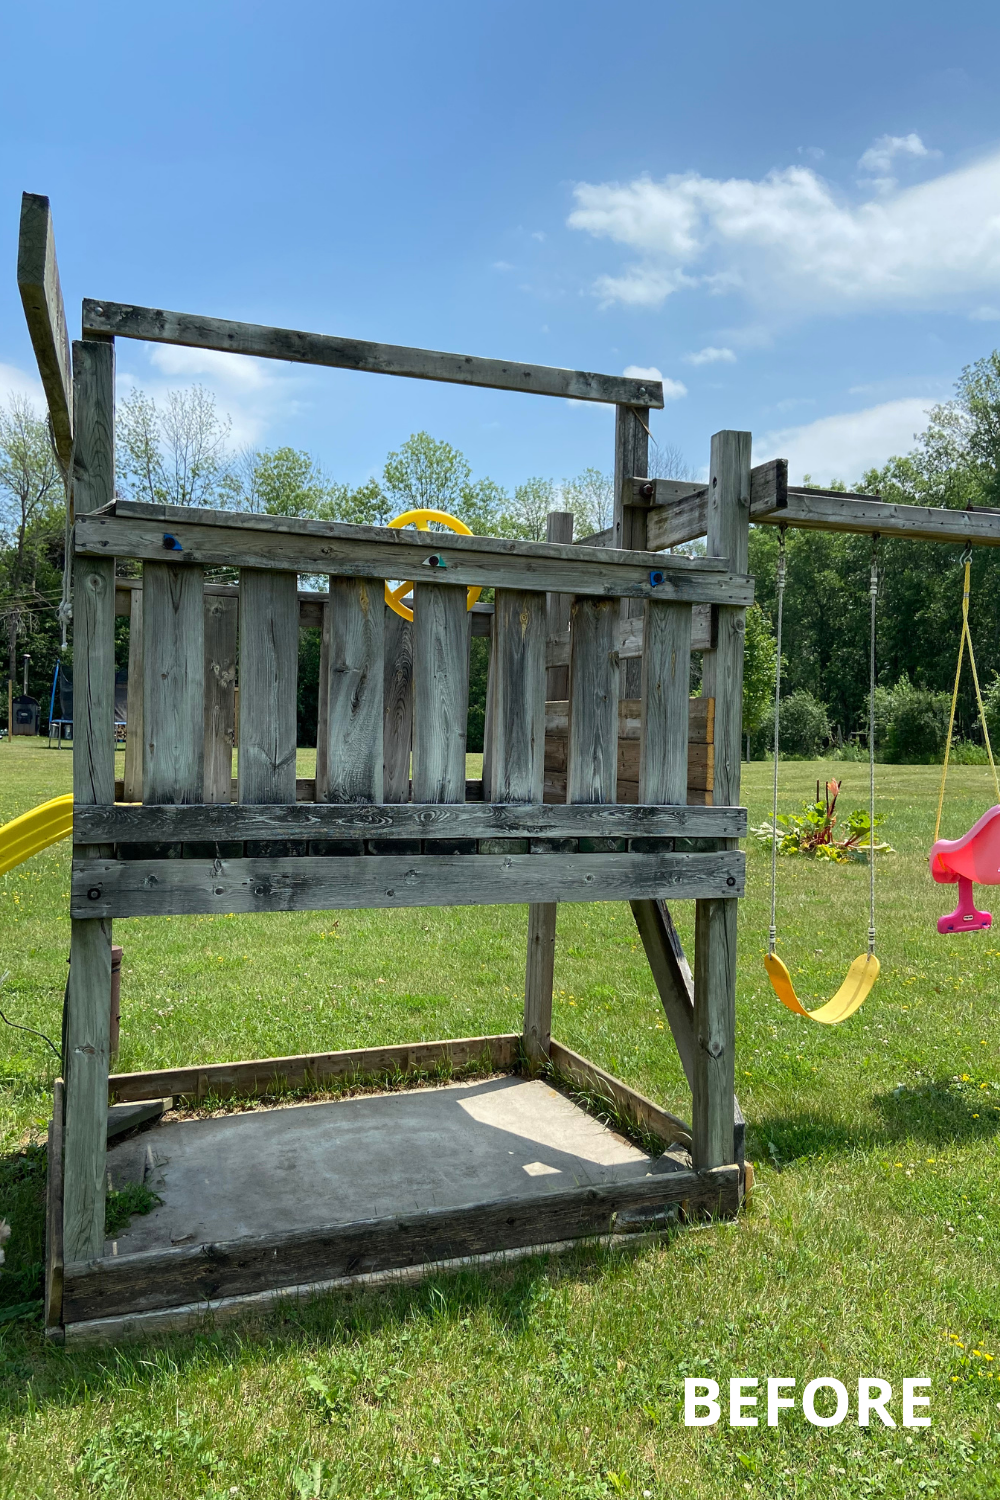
[852,993]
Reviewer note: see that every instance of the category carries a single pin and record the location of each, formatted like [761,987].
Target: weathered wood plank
[230,822]
[558,528]
[132,1283]
[722,669]
[156,326]
[519,707]
[397,707]
[173,767]
[54,1257]
[714,1081]
[673,522]
[440,692]
[700,760]
[373,552]
[221,619]
[698,793]
[631,457]
[269,642]
[177,886]
[592,753]
[85,1058]
[637,1109]
[86,1013]
[538,980]
[351,727]
[666,672]
[261,1076]
[134,738]
[41,298]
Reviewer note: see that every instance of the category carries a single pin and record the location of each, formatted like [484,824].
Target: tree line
[179,451]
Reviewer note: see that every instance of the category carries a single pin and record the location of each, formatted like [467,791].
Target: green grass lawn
[870,1246]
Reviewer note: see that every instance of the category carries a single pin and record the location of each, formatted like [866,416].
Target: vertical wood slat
[666,657]
[538,980]
[133,715]
[88,992]
[173,769]
[440,692]
[489,717]
[54,1258]
[269,652]
[558,528]
[351,729]
[397,700]
[221,618]
[592,746]
[713,1085]
[631,458]
[518,765]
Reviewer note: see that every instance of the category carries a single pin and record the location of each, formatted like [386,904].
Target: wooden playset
[602,780]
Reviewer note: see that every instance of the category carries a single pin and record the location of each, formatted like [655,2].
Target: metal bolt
[730,879]
[94,894]
[647,492]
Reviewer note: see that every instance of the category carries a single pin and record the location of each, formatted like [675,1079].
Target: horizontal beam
[218,539]
[810,510]
[131,823]
[261,1076]
[701,719]
[674,519]
[41,298]
[156,326]
[192,1273]
[178,887]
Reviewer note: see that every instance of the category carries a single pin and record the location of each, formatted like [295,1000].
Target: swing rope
[864,970]
[966,639]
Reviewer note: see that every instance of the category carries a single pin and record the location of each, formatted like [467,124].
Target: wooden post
[631,458]
[86,1020]
[440,692]
[538,982]
[173,651]
[269,656]
[397,704]
[713,1085]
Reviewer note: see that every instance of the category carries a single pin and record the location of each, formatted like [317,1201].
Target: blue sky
[792,212]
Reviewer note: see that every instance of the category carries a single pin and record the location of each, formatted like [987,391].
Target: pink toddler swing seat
[973,857]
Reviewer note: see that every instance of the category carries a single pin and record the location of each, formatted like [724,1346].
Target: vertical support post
[133,712]
[558,528]
[86,1021]
[631,458]
[538,981]
[714,1079]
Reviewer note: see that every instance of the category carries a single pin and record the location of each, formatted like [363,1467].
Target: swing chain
[873,593]
[772,937]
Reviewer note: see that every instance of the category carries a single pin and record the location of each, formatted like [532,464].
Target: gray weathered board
[154,1279]
[124,823]
[167,887]
[41,298]
[221,539]
[156,326]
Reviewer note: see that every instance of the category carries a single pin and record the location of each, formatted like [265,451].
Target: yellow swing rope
[865,969]
[966,638]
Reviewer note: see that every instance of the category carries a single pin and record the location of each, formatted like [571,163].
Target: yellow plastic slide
[34,831]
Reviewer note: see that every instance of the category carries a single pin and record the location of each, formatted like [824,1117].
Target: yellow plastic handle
[420,519]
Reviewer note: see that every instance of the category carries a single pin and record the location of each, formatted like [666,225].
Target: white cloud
[254,394]
[843,446]
[882,153]
[790,240]
[502,265]
[15,382]
[985,314]
[673,390]
[710,356]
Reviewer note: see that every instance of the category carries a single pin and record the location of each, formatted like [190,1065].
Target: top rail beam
[41,297]
[157,326]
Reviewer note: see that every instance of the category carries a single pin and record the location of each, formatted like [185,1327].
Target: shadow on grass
[34,1374]
[939,1113]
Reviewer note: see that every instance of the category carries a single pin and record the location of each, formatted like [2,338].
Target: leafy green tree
[591,497]
[276,482]
[31,522]
[759,661]
[174,454]
[803,725]
[528,513]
